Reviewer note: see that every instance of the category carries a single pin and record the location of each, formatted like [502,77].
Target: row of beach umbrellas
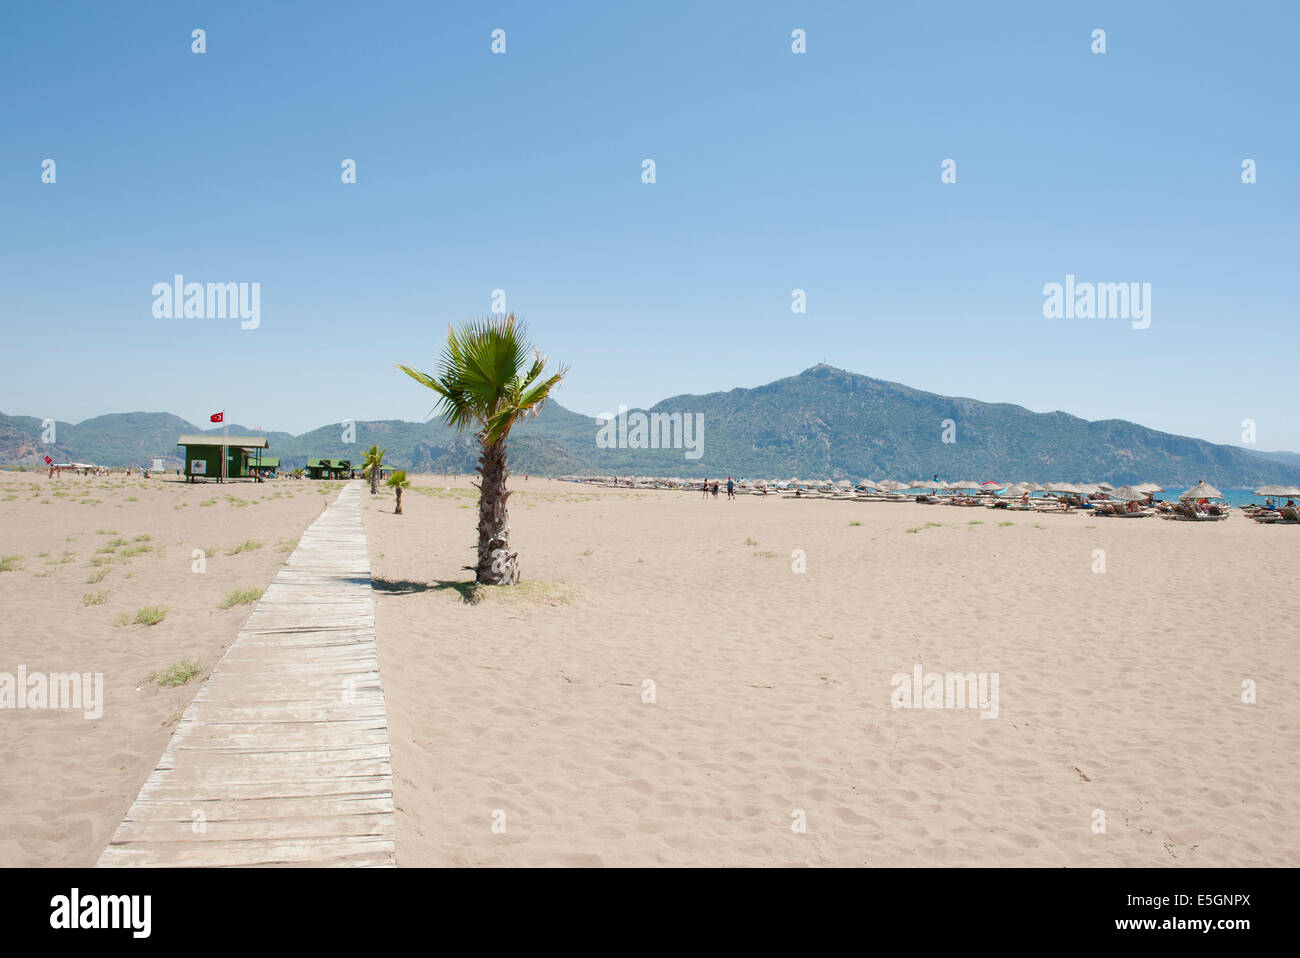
[1127,493]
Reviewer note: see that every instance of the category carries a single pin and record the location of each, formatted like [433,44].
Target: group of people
[707,487]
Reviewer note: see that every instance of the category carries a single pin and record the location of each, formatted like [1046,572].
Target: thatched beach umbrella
[1202,490]
[1129,494]
[1289,491]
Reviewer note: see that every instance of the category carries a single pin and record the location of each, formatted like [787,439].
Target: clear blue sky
[775,171]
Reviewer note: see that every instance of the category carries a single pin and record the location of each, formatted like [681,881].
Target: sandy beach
[523,730]
[1120,692]
[67,779]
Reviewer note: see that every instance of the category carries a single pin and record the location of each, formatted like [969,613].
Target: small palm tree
[399,482]
[373,466]
[486,379]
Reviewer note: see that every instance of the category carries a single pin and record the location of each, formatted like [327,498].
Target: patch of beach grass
[242,597]
[178,674]
[95,598]
[248,545]
[1007,523]
[855,522]
[531,591]
[148,615]
[98,576]
[11,563]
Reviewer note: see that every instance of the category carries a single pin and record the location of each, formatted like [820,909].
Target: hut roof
[243,442]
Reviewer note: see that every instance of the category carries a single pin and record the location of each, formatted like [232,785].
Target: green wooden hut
[203,456]
[267,467]
[328,468]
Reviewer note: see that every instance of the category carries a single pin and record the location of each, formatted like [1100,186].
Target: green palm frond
[488,377]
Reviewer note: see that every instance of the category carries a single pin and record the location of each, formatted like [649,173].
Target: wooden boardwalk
[282,758]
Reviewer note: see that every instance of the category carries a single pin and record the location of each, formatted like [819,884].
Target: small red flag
[48,460]
[217,417]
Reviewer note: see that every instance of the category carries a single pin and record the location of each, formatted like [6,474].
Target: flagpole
[225,435]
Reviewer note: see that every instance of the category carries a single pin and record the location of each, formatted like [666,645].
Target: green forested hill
[822,423]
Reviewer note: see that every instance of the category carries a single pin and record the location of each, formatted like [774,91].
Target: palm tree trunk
[374,481]
[497,565]
[398,510]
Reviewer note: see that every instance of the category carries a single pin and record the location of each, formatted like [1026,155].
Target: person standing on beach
[704,489]
[731,488]
[715,489]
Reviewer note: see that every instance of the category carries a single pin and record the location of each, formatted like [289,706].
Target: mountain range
[823,423]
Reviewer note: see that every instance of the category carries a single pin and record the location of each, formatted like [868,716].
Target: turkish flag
[217,417]
[48,460]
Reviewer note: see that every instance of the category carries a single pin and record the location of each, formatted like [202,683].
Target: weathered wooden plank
[354,852]
[282,758]
[285,827]
[202,775]
[222,810]
[200,758]
[187,795]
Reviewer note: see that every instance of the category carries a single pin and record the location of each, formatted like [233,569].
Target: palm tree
[487,379]
[399,482]
[373,466]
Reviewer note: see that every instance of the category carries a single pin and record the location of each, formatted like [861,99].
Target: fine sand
[67,780]
[1120,693]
